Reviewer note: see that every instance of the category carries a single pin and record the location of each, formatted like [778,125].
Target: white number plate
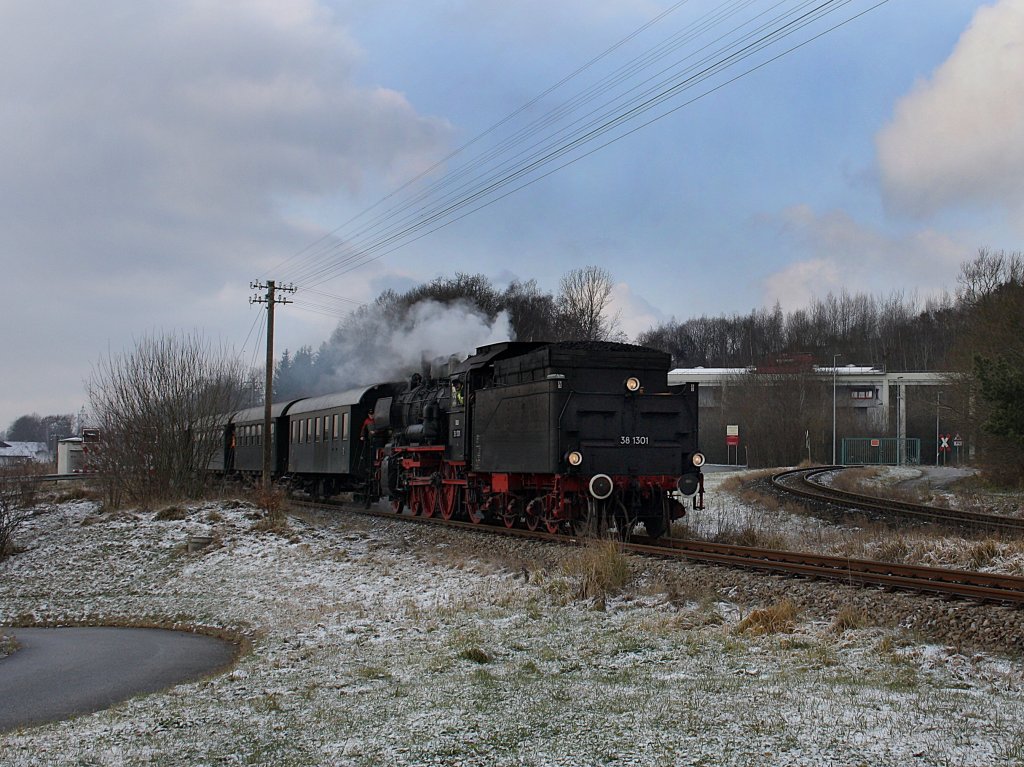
[634,440]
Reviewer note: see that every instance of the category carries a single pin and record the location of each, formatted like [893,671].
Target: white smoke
[372,347]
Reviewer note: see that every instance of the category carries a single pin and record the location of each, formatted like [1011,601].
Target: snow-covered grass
[737,514]
[375,642]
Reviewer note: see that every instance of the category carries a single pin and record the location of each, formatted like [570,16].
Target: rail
[965,584]
[801,482]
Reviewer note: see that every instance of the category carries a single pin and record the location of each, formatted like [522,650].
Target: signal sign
[944,443]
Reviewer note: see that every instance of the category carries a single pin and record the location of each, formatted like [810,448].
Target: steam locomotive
[573,437]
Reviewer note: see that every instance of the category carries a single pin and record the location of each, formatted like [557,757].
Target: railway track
[985,587]
[801,482]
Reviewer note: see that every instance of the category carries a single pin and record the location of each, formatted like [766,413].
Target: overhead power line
[711,52]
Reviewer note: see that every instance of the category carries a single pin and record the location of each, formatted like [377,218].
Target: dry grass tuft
[271,500]
[739,482]
[776,619]
[894,550]
[849,618]
[757,538]
[982,553]
[78,493]
[475,654]
[273,523]
[171,513]
[602,569]
[273,503]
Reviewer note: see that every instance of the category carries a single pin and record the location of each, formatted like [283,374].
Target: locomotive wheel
[416,500]
[511,514]
[449,498]
[533,515]
[473,511]
[397,504]
[430,496]
[552,525]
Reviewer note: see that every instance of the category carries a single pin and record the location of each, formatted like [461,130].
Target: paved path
[61,673]
[938,477]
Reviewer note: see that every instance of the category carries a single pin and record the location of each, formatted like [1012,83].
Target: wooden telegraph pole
[269,298]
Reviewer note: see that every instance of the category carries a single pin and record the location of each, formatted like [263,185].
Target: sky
[157,157]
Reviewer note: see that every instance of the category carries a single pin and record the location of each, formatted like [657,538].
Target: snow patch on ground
[377,642]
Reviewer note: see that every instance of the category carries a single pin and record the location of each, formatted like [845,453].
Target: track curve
[801,482]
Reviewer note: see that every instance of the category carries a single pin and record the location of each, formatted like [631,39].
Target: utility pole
[269,298]
[835,358]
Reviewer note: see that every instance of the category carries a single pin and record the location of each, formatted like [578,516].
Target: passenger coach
[328,451]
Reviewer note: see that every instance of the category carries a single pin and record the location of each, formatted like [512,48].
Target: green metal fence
[880,451]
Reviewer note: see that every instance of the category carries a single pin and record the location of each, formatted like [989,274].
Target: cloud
[153,153]
[126,124]
[956,139]
[840,253]
[635,314]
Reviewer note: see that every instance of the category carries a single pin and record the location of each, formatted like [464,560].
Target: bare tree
[582,304]
[17,495]
[157,406]
[988,272]
[783,418]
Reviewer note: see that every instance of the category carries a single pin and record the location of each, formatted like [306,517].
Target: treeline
[36,428]
[897,332]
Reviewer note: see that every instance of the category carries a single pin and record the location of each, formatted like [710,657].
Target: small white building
[70,457]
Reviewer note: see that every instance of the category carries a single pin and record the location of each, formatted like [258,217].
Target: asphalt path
[60,673]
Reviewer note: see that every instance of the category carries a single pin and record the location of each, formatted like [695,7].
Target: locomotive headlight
[632,384]
[575,458]
[601,486]
[698,459]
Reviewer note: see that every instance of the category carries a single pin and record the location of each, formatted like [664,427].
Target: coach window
[295,432]
[309,430]
[344,425]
